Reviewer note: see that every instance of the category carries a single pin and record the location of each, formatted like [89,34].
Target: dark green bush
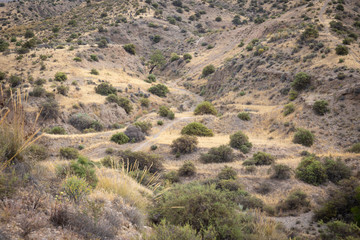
[301,81]
[296,201]
[105,89]
[240,141]
[145,102]
[29,34]
[159,90]
[130,48]
[172,177]
[260,158]
[166,112]
[209,69]
[197,129]
[281,171]
[293,95]
[119,138]
[83,121]
[219,154]
[340,230]
[205,108]
[60,77]
[244,116]
[342,50]
[14,81]
[355,148]
[188,169]
[218,211]
[311,171]
[336,170]
[38,92]
[144,126]
[121,101]
[320,107]
[227,173]
[57,130]
[151,78]
[187,56]
[152,162]
[304,137]
[49,109]
[184,144]
[69,153]
[288,109]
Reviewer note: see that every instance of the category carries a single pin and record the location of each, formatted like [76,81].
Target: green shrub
[57,130]
[130,48]
[197,129]
[311,171]
[4,45]
[144,160]
[309,33]
[301,81]
[60,77]
[94,57]
[296,201]
[121,101]
[260,158]
[336,170]
[240,141]
[145,102]
[220,212]
[94,72]
[75,188]
[144,126]
[304,137]
[159,90]
[119,138]
[105,89]
[151,78]
[244,116]
[83,121]
[14,81]
[49,109]
[230,185]
[108,162]
[84,168]
[342,50]
[38,152]
[188,169]
[62,89]
[293,95]
[172,177]
[174,57]
[172,232]
[184,144]
[205,108]
[355,148]
[166,112]
[281,171]
[219,154]
[209,69]
[187,56]
[320,107]
[340,230]
[227,173]
[38,92]
[77,59]
[288,109]
[160,123]
[69,153]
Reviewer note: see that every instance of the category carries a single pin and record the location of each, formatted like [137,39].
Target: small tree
[157,59]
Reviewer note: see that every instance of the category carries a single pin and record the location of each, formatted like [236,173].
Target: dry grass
[112,181]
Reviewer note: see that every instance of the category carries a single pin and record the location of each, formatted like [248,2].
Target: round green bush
[130,48]
[336,170]
[288,109]
[57,130]
[184,144]
[151,78]
[60,77]
[188,169]
[311,171]
[320,107]
[159,90]
[197,129]
[205,108]
[304,137]
[227,173]
[69,153]
[220,154]
[105,89]
[262,158]
[244,116]
[166,112]
[120,138]
[208,70]
[75,188]
[187,56]
[302,81]
[342,50]
[240,141]
[355,148]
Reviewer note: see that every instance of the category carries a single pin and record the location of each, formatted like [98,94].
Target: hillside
[181,119]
